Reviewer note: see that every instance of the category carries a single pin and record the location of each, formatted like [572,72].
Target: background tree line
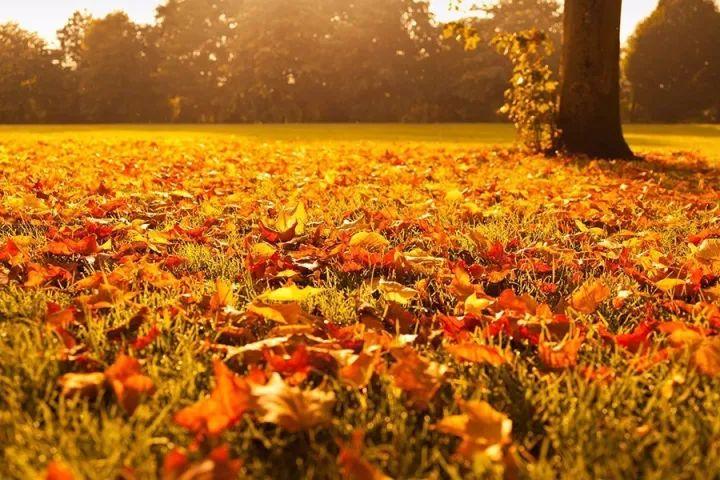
[328,61]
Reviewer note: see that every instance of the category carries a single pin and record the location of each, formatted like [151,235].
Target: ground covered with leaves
[216,308]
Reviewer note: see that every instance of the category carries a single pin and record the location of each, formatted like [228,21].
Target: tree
[589,110]
[115,71]
[673,63]
[194,39]
[30,78]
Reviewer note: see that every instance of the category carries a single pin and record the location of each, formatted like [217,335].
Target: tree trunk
[589,114]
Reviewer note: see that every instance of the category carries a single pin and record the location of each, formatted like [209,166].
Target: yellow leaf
[285,313]
[476,305]
[223,296]
[289,294]
[369,241]
[587,298]
[669,284]
[482,429]
[396,292]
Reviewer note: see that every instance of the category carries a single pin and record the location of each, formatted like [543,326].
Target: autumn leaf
[588,297]
[359,373]
[419,378]
[708,251]
[396,292]
[706,357]
[668,285]
[481,428]
[284,313]
[128,383]
[292,408]
[67,247]
[223,295]
[476,353]
[291,293]
[229,400]
[476,305]
[371,241]
[560,355]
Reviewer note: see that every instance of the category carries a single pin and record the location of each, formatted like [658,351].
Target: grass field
[356,302]
[704,139]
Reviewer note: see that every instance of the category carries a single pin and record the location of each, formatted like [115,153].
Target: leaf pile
[215,308]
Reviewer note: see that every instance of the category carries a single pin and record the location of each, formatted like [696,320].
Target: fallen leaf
[372,241]
[229,400]
[481,428]
[289,294]
[128,383]
[292,408]
[588,297]
[476,353]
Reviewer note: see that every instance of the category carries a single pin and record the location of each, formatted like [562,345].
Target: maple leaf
[359,373]
[669,285]
[284,313]
[68,247]
[589,296]
[560,355]
[396,292]
[289,294]
[292,408]
[481,428]
[476,305]
[229,400]
[10,252]
[371,241]
[128,383]
[476,353]
[419,378]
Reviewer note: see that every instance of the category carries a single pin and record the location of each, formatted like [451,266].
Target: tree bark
[589,116]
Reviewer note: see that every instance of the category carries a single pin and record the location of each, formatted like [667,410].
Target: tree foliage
[673,63]
[531,100]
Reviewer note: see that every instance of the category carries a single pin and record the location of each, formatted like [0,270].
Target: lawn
[378,301]
[703,139]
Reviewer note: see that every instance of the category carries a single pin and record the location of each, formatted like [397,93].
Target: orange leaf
[476,353]
[128,383]
[588,297]
[228,401]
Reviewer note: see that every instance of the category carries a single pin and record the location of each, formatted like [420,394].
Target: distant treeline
[325,61]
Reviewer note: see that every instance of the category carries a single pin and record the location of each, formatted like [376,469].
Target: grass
[175,209]
[703,139]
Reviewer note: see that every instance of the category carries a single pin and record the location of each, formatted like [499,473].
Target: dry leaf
[292,408]
[588,297]
[481,428]
[476,353]
[228,401]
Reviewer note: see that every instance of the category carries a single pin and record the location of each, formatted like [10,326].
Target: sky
[47,16]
